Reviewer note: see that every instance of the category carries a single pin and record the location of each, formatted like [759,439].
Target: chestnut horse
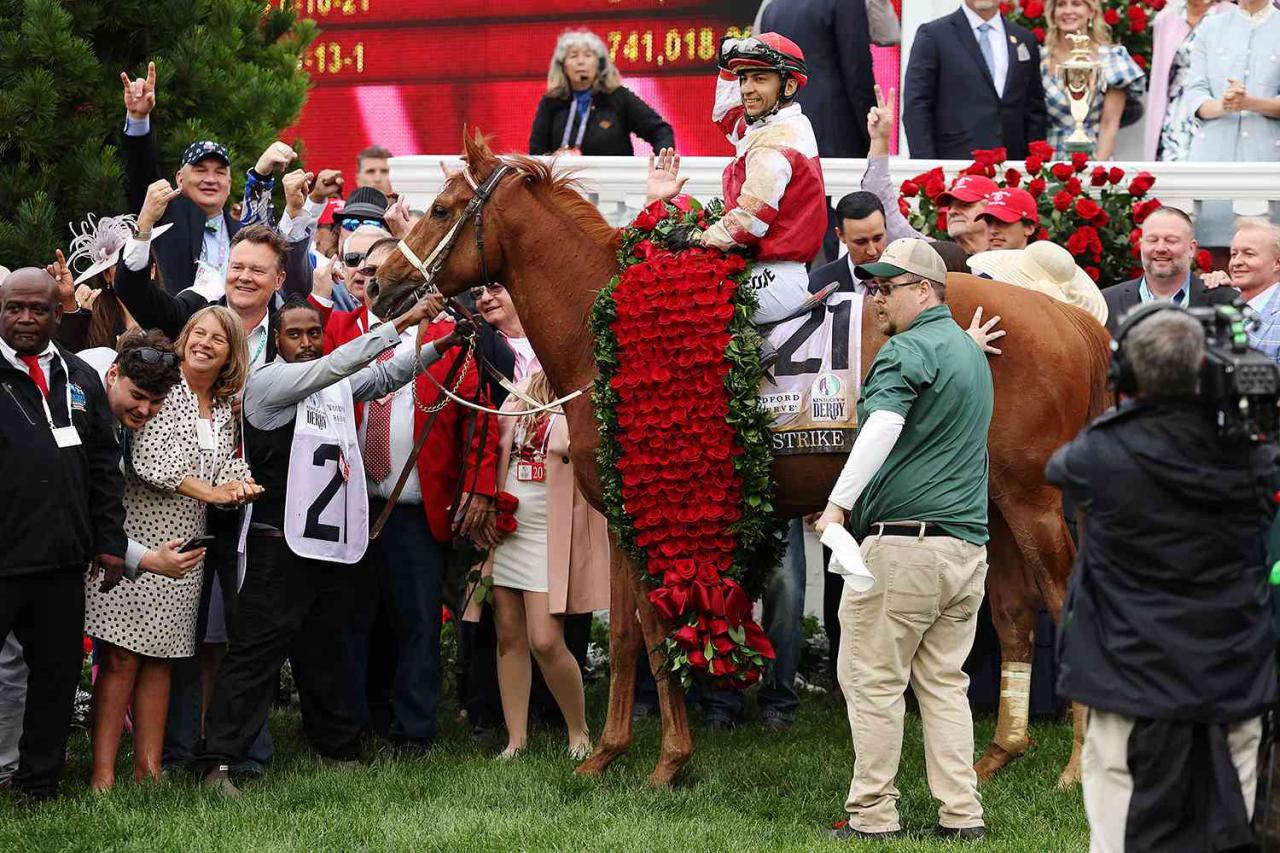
[553,251]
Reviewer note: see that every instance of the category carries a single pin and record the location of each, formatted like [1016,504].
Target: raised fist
[140,94]
[277,156]
[296,185]
[328,184]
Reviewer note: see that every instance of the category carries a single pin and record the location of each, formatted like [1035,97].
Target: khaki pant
[1104,766]
[916,624]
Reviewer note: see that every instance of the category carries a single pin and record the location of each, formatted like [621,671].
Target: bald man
[61,485]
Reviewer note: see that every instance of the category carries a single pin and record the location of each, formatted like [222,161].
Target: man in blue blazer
[973,81]
[836,41]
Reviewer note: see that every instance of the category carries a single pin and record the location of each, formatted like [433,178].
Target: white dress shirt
[859,286]
[526,360]
[999,44]
[402,433]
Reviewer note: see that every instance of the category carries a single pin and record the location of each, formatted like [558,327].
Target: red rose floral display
[1130,22]
[1096,212]
[684,444]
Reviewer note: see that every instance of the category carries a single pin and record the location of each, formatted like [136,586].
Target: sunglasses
[151,355]
[353,259]
[352,223]
[493,288]
[874,289]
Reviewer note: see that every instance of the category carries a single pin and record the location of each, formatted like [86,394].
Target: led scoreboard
[407,74]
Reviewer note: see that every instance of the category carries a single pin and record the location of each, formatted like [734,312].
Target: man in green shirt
[915,490]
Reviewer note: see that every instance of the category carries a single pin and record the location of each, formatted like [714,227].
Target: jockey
[774,198]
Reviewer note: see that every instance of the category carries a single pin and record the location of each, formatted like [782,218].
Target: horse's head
[460,265]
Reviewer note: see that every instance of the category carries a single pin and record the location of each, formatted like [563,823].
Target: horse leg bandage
[1015,707]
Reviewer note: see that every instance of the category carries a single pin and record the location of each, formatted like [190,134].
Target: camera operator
[1167,631]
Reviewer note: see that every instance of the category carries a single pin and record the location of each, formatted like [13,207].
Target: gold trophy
[1079,76]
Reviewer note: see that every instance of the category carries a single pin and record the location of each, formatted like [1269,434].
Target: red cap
[1009,204]
[332,206]
[969,188]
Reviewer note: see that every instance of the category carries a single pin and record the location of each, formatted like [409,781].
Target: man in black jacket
[836,41]
[1168,246]
[200,244]
[1167,632]
[60,460]
[973,81]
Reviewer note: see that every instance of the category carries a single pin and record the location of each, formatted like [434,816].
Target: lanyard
[262,344]
[568,125]
[546,438]
[48,415]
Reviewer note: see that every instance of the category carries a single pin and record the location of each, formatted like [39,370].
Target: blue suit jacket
[950,106]
[836,41]
[1267,336]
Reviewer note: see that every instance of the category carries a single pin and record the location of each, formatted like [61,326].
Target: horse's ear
[480,160]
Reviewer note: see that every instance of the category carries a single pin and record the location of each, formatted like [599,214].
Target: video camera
[1240,384]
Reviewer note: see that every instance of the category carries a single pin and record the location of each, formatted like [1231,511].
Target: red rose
[1061,171]
[758,641]
[505,502]
[1143,209]
[1087,208]
[1204,260]
[910,188]
[1073,186]
[682,203]
[1012,177]
[934,187]
[1093,273]
[1103,219]
[1077,243]
[1111,16]
[723,666]
[722,645]
[1116,175]
[903,207]
[999,155]
[1036,187]
[1139,186]
[1062,201]
[1140,60]
[1135,235]
[1005,8]
[644,249]
[1033,8]
[1042,234]
[649,218]
[506,523]
[1079,161]
[1041,150]
[1098,177]
[687,637]
[942,219]
[1033,164]
[1137,18]
[707,573]
[686,570]
[1038,32]
[697,659]
[982,158]
[1157,5]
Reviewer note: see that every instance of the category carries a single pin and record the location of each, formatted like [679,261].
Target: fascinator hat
[99,242]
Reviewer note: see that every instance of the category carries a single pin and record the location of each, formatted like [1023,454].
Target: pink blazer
[577,535]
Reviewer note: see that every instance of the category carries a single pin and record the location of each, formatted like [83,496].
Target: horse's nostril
[372,289]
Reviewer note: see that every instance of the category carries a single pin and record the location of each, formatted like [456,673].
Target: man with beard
[310,526]
[915,489]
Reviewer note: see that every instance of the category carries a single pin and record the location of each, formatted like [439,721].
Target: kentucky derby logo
[827,401]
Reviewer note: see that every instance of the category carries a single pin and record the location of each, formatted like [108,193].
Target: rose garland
[684,445]
[1085,207]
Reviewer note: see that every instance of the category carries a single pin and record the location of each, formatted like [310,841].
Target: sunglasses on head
[875,288]
[151,355]
[352,223]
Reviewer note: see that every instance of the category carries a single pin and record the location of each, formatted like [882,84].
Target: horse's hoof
[1070,776]
[663,776]
[596,763]
[995,759]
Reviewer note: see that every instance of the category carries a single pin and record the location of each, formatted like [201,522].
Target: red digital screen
[407,75]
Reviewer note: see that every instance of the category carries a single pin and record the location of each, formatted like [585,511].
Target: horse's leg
[624,650]
[1070,776]
[1015,602]
[677,744]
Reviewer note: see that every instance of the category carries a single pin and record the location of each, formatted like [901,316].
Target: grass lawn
[744,790]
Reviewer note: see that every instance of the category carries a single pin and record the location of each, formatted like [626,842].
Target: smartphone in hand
[195,542]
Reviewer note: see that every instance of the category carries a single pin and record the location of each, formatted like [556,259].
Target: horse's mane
[563,187]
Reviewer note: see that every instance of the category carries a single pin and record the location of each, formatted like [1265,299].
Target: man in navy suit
[1168,246]
[836,41]
[973,81]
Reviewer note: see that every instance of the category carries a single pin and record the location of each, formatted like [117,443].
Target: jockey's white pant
[781,288]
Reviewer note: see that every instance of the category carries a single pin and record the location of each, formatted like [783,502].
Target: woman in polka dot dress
[182,461]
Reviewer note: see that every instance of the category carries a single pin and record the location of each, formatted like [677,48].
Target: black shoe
[219,780]
[719,724]
[776,722]
[964,833]
[847,832]
[411,748]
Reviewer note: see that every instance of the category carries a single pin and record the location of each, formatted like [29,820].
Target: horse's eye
[438,211]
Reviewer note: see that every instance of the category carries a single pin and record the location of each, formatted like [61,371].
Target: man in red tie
[60,462]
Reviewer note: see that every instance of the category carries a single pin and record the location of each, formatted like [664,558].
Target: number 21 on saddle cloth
[812,389]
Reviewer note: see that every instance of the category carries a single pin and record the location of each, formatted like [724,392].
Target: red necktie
[377,436]
[37,372]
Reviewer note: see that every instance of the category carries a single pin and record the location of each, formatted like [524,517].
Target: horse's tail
[1098,343]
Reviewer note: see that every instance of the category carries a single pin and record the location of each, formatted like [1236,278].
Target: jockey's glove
[684,237]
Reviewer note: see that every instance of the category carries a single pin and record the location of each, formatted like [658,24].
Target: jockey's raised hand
[664,180]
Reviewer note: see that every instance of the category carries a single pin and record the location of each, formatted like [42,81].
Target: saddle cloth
[812,389]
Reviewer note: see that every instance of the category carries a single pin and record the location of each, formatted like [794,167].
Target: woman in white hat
[1046,267]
